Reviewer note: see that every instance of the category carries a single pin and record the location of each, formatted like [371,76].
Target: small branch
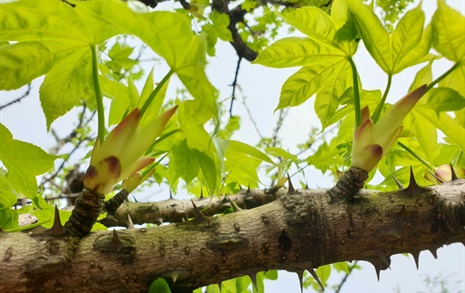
[234,85]
[236,15]
[17,100]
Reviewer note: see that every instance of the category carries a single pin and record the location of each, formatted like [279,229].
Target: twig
[351,268]
[17,100]
[249,113]
[234,85]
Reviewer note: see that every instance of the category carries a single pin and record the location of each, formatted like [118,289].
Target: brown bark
[298,231]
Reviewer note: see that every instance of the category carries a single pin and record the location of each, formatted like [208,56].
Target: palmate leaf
[406,46]
[170,36]
[23,161]
[50,37]
[323,54]
[448,34]
[45,33]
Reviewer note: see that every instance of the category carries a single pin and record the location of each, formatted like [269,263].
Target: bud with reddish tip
[120,155]
[373,141]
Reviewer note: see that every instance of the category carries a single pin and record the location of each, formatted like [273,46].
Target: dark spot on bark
[284,242]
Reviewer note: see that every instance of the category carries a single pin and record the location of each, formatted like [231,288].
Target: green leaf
[342,267]
[323,273]
[423,76]
[184,161]
[374,35]
[295,51]
[279,152]
[303,84]
[425,133]
[159,286]
[444,99]
[69,81]
[345,25]
[450,127]
[408,42]
[241,147]
[326,100]
[407,45]
[313,22]
[209,171]
[23,161]
[448,36]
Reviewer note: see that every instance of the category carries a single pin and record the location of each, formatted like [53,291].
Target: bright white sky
[262,86]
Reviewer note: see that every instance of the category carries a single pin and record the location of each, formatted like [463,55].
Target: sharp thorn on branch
[453,174]
[300,275]
[253,278]
[198,216]
[315,276]
[416,258]
[57,228]
[436,177]
[413,187]
[291,189]
[234,206]
[399,185]
[115,239]
[130,223]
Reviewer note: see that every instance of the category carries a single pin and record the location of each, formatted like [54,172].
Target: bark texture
[299,230]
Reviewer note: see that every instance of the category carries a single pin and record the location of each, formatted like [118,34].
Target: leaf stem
[358,116]
[98,95]
[437,80]
[379,109]
[155,92]
[410,151]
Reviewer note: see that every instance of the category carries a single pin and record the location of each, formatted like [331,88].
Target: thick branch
[295,232]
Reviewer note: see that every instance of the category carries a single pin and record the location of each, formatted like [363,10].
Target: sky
[261,87]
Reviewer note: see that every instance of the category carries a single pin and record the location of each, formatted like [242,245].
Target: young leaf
[300,86]
[23,161]
[295,51]
[374,35]
[448,36]
[313,22]
[407,45]
[68,82]
[444,99]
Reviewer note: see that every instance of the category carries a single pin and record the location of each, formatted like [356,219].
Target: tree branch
[298,231]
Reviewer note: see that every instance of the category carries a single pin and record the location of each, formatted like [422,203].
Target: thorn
[434,252]
[130,223]
[300,275]
[159,221]
[171,194]
[248,188]
[201,193]
[219,286]
[115,239]
[413,186]
[399,185]
[306,185]
[416,258]
[315,276]
[291,189]
[436,177]
[174,276]
[198,216]
[253,277]
[57,228]
[453,174]
[377,269]
[234,206]
[135,199]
